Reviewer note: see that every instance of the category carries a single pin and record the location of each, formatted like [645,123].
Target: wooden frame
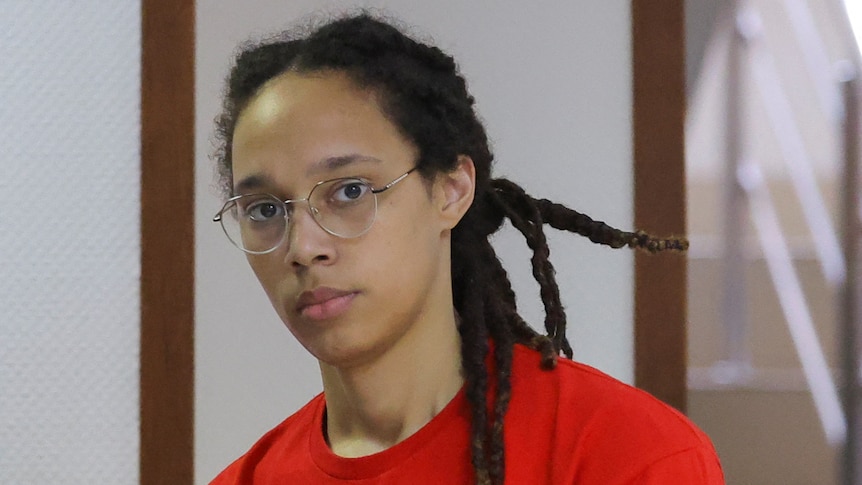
[167,242]
[167,236]
[658,72]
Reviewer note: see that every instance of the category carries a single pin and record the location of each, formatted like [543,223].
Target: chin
[344,353]
[350,340]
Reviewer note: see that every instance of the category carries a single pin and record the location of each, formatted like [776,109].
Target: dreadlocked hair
[421,91]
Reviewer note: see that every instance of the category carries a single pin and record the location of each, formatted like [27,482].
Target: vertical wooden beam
[167,242]
[658,67]
[851,456]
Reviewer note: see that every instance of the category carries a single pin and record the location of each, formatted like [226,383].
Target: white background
[553,82]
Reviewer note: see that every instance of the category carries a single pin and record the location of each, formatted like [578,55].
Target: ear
[454,191]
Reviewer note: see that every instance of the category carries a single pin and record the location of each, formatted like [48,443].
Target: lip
[324,303]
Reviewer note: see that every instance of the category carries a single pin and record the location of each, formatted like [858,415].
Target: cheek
[414,245]
[264,269]
[409,237]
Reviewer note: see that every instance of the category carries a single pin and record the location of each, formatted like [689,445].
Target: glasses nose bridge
[307,200]
[290,217]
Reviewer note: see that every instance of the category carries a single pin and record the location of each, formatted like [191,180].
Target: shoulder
[584,395]
[598,423]
[287,439]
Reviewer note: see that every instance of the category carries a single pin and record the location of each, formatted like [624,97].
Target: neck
[372,407]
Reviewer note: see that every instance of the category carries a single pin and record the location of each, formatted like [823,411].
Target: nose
[307,242]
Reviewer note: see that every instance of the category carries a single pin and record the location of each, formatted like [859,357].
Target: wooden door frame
[167,242]
[659,99]
[167,215]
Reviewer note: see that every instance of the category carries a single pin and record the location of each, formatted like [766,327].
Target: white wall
[69,241]
[553,82]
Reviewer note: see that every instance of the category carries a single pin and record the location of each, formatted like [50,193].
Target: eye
[349,191]
[262,209]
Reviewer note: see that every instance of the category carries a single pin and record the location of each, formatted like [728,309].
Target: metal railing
[747,192]
[747,195]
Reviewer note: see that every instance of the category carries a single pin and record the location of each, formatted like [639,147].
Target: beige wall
[553,82]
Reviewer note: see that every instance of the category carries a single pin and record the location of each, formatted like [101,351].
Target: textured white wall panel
[69,241]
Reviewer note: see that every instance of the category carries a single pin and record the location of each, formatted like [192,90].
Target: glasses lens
[255,223]
[344,207]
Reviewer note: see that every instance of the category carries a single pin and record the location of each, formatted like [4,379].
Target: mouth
[324,303]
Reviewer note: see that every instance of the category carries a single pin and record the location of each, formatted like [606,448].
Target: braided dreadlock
[421,91]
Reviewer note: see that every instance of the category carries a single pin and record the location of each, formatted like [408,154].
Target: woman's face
[345,300]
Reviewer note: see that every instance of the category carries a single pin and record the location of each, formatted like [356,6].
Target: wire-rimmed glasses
[344,207]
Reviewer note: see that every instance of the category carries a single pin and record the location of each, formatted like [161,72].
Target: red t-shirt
[572,425]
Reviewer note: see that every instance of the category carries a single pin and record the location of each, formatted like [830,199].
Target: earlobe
[458,189]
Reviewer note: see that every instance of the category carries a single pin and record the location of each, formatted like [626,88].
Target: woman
[359,185]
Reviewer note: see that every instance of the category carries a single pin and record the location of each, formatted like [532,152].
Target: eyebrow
[257,181]
[250,183]
[333,163]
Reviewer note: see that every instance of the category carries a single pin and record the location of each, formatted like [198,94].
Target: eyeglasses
[343,207]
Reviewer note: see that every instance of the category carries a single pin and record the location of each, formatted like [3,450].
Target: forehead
[293,95]
[297,120]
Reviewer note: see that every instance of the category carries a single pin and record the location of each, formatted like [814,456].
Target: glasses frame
[313,211]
